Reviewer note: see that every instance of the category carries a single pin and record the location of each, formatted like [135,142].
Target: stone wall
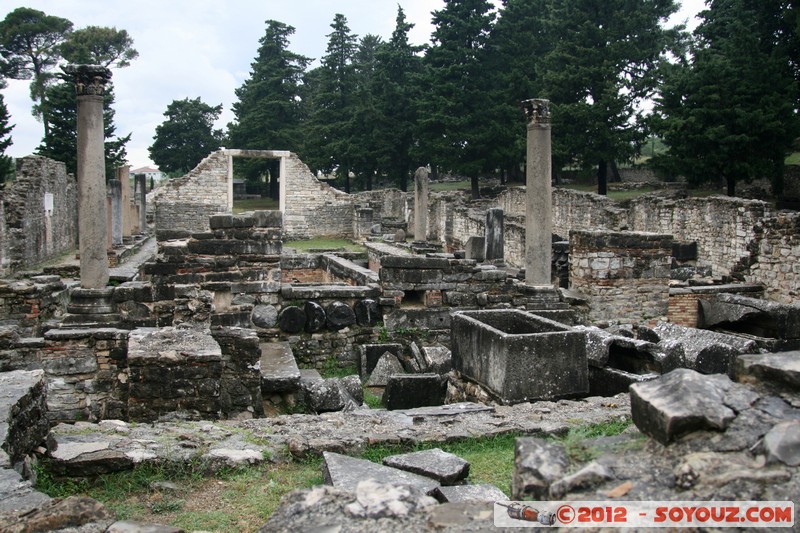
[29,234]
[624,275]
[313,208]
[774,259]
[26,305]
[184,204]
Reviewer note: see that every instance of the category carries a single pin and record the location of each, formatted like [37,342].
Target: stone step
[279,372]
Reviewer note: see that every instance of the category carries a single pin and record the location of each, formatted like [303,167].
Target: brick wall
[624,275]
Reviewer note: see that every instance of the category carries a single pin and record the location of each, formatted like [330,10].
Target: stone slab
[406,391]
[484,492]
[783,368]
[347,472]
[386,366]
[680,402]
[537,464]
[444,467]
[279,371]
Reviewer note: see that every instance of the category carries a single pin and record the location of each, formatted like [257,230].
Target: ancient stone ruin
[531,312]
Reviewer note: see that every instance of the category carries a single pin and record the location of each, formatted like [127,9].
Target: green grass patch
[322,243]
[231,500]
[331,369]
[450,185]
[372,400]
[793,159]
[255,204]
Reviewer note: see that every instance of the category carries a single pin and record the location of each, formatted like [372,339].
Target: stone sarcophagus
[520,356]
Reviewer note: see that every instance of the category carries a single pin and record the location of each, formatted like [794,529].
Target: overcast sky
[203,48]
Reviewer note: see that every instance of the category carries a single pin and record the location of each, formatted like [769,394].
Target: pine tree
[731,113]
[6,162]
[187,136]
[452,112]
[61,140]
[267,112]
[329,129]
[399,68]
[602,65]
[366,147]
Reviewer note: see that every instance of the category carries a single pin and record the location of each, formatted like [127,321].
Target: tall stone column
[90,82]
[538,204]
[421,204]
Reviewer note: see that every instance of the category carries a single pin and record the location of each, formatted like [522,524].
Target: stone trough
[520,356]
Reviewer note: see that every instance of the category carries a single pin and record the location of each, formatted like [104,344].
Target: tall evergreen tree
[329,132]
[187,136]
[399,67]
[452,113]
[30,44]
[731,112]
[267,112]
[6,162]
[601,67]
[61,140]
[365,113]
[516,44]
[93,45]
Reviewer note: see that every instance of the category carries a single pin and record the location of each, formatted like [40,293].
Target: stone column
[90,81]
[421,204]
[494,240]
[115,193]
[538,204]
[128,221]
[141,199]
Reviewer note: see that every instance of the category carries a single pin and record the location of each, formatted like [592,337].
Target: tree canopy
[186,136]
[729,110]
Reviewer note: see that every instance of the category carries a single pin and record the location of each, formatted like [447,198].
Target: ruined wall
[28,234]
[184,204]
[313,208]
[775,259]
[624,275]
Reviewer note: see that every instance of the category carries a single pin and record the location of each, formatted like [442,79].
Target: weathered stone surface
[782,368]
[438,359]
[346,472]
[537,464]
[609,381]
[406,391]
[23,412]
[265,316]
[315,316]
[782,443]
[333,394]
[340,315]
[375,499]
[370,354]
[129,526]
[592,474]
[367,312]
[705,351]
[279,371]
[519,356]
[56,515]
[17,495]
[475,248]
[444,467]
[755,316]
[292,319]
[386,366]
[680,402]
[484,492]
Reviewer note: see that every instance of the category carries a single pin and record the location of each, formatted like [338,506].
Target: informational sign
[48,204]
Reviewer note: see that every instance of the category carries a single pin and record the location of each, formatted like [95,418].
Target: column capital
[537,111]
[89,79]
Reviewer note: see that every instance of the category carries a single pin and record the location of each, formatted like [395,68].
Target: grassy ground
[254,204]
[243,499]
[323,243]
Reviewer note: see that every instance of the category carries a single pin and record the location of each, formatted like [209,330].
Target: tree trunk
[346,172]
[274,188]
[602,178]
[476,192]
[731,181]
